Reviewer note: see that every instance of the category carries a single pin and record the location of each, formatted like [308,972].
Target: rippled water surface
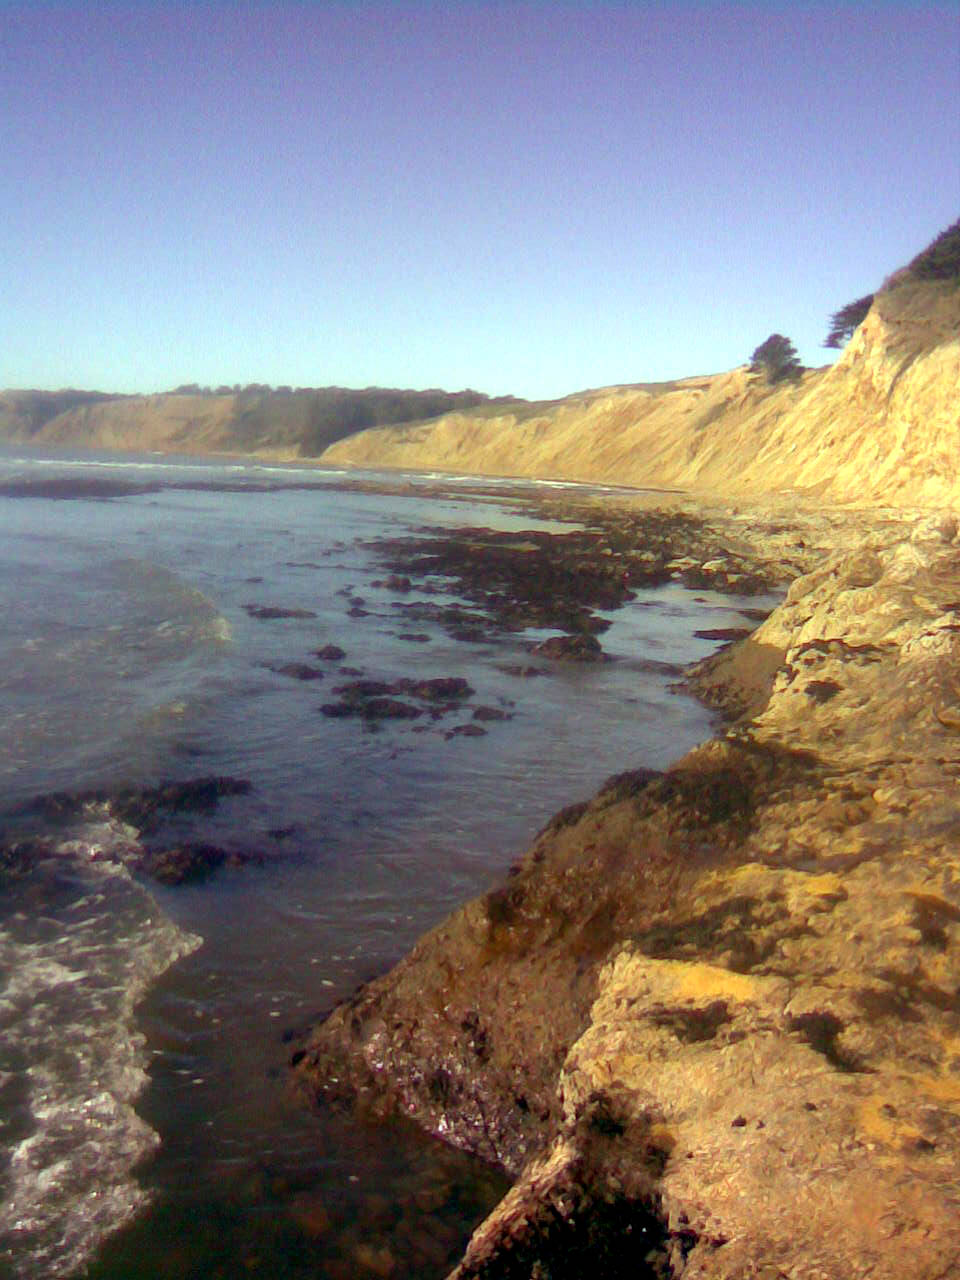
[145,1031]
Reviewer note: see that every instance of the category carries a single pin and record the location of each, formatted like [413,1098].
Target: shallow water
[147,1030]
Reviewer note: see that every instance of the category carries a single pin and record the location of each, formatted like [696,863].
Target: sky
[521,198]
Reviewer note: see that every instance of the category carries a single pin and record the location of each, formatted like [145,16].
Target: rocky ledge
[711,1023]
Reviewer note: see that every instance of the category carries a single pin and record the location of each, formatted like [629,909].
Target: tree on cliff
[848,318]
[776,359]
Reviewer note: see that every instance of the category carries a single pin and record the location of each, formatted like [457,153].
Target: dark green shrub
[941,259]
[776,359]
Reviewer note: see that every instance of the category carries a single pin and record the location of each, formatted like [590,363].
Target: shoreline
[801,502]
[515,542]
[767,930]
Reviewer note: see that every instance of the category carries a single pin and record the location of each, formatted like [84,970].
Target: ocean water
[146,1126]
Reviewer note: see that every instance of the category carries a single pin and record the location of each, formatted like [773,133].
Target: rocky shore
[711,1023]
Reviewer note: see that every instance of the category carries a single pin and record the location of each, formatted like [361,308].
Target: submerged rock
[340,710]
[331,653]
[470,730]
[190,863]
[382,700]
[135,819]
[491,713]
[570,649]
[440,689]
[389,709]
[141,807]
[267,613]
[357,691]
[297,671]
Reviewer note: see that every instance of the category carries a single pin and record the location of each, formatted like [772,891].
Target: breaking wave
[76,957]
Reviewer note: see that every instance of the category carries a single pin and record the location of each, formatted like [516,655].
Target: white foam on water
[74,962]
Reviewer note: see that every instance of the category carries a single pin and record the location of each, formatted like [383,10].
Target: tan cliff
[881,425]
[256,420]
[166,423]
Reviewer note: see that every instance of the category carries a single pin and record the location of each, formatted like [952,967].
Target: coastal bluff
[882,425]
[711,1022]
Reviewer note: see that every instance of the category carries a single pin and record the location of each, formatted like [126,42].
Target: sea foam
[72,1061]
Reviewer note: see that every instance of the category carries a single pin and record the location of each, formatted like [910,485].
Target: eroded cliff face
[718,1009]
[278,423]
[169,423]
[882,425]
[884,422]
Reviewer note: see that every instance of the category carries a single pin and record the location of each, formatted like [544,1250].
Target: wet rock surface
[296,671]
[563,581]
[141,807]
[373,700]
[331,653]
[269,612]
[191,863]
[711,1023]
[570,649]
[139,842]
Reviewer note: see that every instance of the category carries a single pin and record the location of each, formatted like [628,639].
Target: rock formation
[712,1021]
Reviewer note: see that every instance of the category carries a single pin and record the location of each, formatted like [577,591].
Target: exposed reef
[133,829]
[711,1022]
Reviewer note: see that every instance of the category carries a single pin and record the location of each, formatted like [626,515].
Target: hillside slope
[274,422]
[170,423]
[24,414]
[882,423]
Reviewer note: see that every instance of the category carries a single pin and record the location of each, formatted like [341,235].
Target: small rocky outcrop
[191,862]
[141,807]
[570,649]
[138,836]
[331,653]
[270,612]
[381,699]
[296,671]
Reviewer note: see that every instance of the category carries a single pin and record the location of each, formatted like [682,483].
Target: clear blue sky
[517,197]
